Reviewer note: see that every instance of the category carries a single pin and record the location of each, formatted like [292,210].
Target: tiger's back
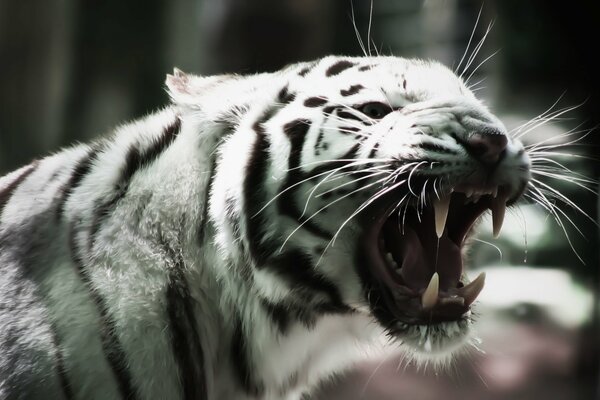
[81,228]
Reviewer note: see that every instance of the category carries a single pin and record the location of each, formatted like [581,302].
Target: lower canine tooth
[472,290]
[429,298]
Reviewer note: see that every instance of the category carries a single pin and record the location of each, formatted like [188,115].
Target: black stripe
[349,115]
[329,110]
[285,96]
[60,365]
[351,90]
[306,69]
[278,313]
[297,268]
[111,345]
[134,161]
[81,169]
[8,191]
[436,148]
[254,193]
[338,67]
[185,340]
[365,68]
[348,129]
[296,131]
[315,101]
[345,159]
[318,142]
[240,361]
[284,314]
[374,150]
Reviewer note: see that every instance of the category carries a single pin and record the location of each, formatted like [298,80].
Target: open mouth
[416,252]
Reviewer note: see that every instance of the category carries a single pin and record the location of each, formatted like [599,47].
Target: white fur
[130,271]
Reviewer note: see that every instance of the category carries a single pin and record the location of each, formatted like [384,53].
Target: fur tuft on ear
[187,89]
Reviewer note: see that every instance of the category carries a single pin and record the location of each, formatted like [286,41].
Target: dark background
[71,70]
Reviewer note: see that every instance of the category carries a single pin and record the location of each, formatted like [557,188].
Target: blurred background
[71,70]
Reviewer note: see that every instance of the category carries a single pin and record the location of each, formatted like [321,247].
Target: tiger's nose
[487,147]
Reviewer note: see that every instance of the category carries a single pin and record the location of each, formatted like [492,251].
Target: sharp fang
[498,211]
[430,295]
[472,290]
[440,207]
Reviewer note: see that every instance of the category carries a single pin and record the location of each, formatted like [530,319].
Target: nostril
[488,148]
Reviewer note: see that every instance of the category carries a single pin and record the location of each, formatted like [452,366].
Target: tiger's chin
[412,258]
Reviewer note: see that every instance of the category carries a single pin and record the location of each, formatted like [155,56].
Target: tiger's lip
[423,273]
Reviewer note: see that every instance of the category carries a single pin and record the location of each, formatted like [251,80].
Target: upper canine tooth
[472,290]
[498,211]
[440,206]
[429,298]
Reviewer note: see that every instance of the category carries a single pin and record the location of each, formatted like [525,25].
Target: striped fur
[187,256]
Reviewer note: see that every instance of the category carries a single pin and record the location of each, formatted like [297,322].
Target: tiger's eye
[375,110]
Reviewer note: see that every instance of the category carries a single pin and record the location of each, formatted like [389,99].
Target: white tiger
[253,237]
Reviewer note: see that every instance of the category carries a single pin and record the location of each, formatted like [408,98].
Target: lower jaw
[436,344]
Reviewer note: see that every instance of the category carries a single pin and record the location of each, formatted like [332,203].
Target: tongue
[422,254]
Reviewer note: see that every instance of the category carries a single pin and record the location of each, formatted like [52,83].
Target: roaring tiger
[254,236]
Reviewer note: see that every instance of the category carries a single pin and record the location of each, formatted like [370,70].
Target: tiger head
[350,185]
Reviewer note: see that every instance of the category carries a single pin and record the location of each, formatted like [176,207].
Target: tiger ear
[189,89]
[178,82]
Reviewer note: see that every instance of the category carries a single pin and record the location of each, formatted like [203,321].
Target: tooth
[469,193]
[498,211]
[440,207]
[429,297]
[495,192]
[472,290]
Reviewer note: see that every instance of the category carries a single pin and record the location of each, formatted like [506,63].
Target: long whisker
[357,33]
[541,199]
[480,64]
[365,204]
[469,42]
[543,121]
[477,49]
[564,199]
[492,245]
[540,116]
[369,28]
[355,162]
[351,182]
[314,189]
[324,207]
[310,177]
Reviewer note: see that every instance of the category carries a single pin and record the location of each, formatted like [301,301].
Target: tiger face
[376,171]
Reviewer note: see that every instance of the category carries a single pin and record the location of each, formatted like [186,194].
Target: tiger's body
[190,255]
